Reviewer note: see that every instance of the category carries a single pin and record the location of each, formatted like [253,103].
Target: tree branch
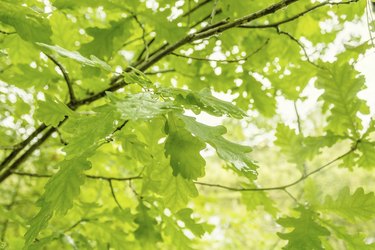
[66,78]
[160,71]
[212,185]
[302,178]
[290,19]
[118,83]
[226,60]
[19,147]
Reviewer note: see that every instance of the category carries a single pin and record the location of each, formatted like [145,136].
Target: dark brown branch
[66,78]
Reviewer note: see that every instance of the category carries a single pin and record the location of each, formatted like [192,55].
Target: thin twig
[212,185]
[188,15]
[278,187]
[208,59]
[133,40]
[75,225]
[213,13]
[94,177]
[290,195]
[113,193]
[66,77]
[217,11]
[145,49]
[143,34]
[301,46]
[160,71]
[225,60]
[298,118]
[196,7]
[7,33]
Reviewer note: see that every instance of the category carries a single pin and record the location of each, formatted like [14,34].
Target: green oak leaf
[74,55]
[184,150]
[306,231]
[205,101]
[198,229]
[231,152]
[104,41]
[147,232]
[64,186]
[359,205]
[37,224]
[177,191]
[351,241]
[52,111]
[60,191]
[367,157]
[341,84]
[141,106]
[29,24]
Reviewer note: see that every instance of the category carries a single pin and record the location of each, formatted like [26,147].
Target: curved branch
[212,185]
[113,194]
[66,78]
[302,178]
